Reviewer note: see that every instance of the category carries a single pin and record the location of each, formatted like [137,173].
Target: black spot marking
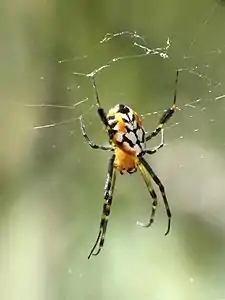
[106,210]
[125,139]
[125,120]
[142,136]
[102,241]
[111,117]
[111,133]
[129,130]
[102,222]
[114,124]
[131,171]
[123,109]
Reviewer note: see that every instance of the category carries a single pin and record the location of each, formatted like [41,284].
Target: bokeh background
[52,183]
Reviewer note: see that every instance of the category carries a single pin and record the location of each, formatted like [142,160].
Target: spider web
[194,113]
[123,60]
[136,69]
[136,41]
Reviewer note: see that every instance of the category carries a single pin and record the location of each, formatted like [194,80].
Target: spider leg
[91,144]
[155,149]
[161,188]
[108,197]
[167,114]
[148,183]
[101,111]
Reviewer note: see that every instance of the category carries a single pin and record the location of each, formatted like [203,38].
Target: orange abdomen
[125,162]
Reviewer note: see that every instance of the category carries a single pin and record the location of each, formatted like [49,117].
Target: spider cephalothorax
[127,139]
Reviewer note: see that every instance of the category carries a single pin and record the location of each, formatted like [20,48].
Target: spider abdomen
[125,162]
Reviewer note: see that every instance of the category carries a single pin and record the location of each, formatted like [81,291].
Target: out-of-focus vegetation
[52,182]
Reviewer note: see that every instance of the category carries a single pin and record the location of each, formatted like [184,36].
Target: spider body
[127,137]
[127,141]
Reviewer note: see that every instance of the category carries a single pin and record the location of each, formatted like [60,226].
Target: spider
[127,141]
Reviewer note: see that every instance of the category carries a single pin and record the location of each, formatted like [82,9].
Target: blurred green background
[52,183]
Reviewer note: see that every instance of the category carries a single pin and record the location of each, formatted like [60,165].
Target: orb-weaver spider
[127,140]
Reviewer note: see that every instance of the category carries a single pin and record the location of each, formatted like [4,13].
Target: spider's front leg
[167,114]
[89,141]
[101,111]
[108,197]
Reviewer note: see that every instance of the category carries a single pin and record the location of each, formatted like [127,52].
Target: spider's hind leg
[152,192]
[161,188]
[108,196]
